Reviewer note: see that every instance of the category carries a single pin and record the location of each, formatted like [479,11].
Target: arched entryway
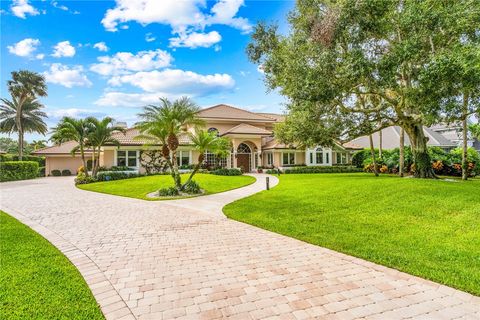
[244,157]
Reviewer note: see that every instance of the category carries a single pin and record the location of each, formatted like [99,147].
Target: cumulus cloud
[63,49]
[196,39]
[57,114]
[176,81]
[21,8]
[121,99]
[24,48]
[59,6]
[101,46]
[67,76]
[125,62]
[187,19]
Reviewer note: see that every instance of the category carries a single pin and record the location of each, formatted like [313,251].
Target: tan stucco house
[251,137]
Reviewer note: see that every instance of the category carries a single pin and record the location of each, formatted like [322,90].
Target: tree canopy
[350,68]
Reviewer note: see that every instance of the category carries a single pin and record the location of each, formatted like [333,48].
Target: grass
[429,228]
[37,280]
[140,187]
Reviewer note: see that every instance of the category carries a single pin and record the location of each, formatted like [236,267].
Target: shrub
[41,171]
[273,171]
[66,172]
[358,158]
[116,175]
[227,172]
[115,168]
[18,170]
[168,192]
[192,188]
[83,179]
[12,157]
[335,169]
[81,169]
[56,173]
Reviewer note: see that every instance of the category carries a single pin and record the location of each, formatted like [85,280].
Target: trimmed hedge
[18,170]
[116,175]
[227,172]
[12,157]
[56,173]
[66,172]
[335,169]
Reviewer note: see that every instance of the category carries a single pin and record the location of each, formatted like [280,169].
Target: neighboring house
[391,139]
[251,137]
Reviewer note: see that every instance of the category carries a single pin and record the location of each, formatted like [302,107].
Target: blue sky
[111,57]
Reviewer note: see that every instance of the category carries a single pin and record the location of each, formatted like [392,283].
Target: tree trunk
[197,167]
[465,138]
[85,167]
[372,152]
[380,147]
[176,175]
[402,153]
[421,158]
[20,143]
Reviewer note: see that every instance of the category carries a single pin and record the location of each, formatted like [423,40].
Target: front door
[243,161]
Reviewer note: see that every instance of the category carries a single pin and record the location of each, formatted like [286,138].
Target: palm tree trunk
[372,152]
[176,174]
[195,170]
[20,143]
[18,119]
[402,153]
[465,138]
[82,154]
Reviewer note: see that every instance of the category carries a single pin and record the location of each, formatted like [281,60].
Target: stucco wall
[62,163]
[107,159]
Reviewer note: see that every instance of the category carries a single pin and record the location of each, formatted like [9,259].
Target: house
[391,139]
[250,134]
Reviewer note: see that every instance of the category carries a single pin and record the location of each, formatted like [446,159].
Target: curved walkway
[183,259]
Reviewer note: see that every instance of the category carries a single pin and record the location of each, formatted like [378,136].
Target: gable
[223,111]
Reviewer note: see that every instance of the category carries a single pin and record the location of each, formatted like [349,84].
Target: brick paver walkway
[183,259]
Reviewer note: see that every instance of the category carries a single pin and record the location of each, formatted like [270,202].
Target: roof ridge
[236,108]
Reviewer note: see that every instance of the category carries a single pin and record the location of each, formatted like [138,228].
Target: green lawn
[140,187]
[38,281]
[429,228]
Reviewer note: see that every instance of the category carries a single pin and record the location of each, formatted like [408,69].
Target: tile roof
[277,117]
[129,138]
[64,148]
[223,111]
[275,144]
[245,128]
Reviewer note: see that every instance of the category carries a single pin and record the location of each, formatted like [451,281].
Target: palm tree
[99,135]
[25,86]
[204,141]
[21,119]
[77,130]
[166,122]
[38,144]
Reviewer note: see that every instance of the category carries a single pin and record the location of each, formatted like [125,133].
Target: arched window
[319,156]
[243,148]
[214,130]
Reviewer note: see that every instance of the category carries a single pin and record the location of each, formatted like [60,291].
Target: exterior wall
[107,158]
[62,163]
[222,127]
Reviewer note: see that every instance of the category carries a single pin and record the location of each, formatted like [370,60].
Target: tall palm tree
[170,119]
[69,129]
[204,141]
[101,134]
[38,144]
[23,87]
[21,119]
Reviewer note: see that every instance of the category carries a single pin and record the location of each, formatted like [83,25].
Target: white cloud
[57,114]
[184,17]
[59,6]
[121,99]
[67,77]
[149,37]
[124,62]
[24,48]
[63,49]
[176,81]
[260,69]
[196,39]
[40,56]
[21,8]
[101,46]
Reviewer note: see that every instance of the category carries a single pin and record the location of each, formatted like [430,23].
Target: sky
[110,58]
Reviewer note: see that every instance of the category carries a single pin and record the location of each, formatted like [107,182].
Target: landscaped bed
[429,228]
[143,186]
[37,280]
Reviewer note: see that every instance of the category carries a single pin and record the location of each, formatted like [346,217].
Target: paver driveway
[162,260]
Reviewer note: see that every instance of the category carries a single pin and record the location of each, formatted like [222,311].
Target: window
[269,159]
[127,158]
[243,148]
[341,158]
[319,156]
[214,130]
[211,160]
[183,158]
[288,158]
[327,157]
